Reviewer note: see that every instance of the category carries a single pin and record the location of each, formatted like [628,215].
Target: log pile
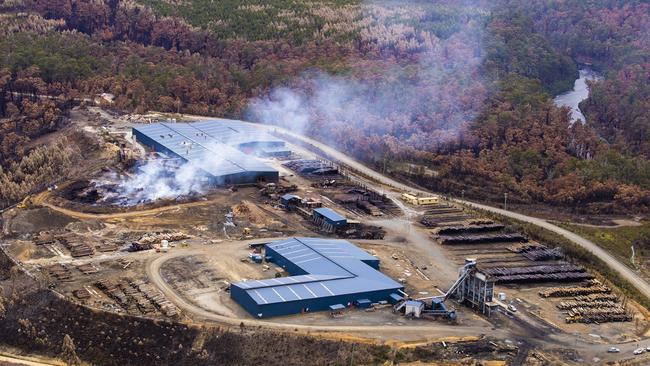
[598,315]
[434,221]
[572,304]
[60,272]
[156,297]
[113,290]
[136,295]
[542,273]
[369,208]
[76,247]
[589,304]
[150,239]
[482,239]
[537,252]
[44,237]
[106,247]
[596,297]
[575,291]
[87,268]
[138,300]
[451,230]
[81,294]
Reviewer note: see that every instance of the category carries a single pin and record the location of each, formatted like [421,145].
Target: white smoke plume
[424,92]
[168,179]
[157,179]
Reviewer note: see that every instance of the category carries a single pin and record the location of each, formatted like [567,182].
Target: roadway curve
[632,277]
[625,271]
[41,200]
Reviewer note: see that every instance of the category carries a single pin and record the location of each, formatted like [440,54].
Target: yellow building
[409,198]
[420,201]
[423,201]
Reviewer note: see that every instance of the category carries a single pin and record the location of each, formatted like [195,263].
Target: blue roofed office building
[324,273]
[216,147]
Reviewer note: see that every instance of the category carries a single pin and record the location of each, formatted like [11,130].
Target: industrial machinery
[435,306]
[25,203]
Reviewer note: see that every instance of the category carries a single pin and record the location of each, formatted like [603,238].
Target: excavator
[436,308]
[25,203]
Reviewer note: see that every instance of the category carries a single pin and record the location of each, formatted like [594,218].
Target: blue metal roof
[334,267]
[289,196]
[330,214]
[235,133]
[205,144]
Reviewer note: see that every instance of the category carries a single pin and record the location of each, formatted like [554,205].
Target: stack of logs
[536,252]
[60,272]
[156,297]
[434,221]
[113,291]
[590,304]
[542,273]
[149,239]
[575,291]
[482,228]
[481,239]
[76,247]
[598,315]
[136,295]
[107,247]
[87,268]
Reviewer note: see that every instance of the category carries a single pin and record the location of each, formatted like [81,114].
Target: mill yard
[286,237]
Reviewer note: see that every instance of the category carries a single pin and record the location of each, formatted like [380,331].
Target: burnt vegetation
[40,321]
[490,120]
[34,321]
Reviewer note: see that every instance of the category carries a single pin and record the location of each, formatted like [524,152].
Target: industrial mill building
[326,274]
[220,148]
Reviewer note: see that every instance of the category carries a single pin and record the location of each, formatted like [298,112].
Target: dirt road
[41,200]
[418,332]
[423,330]
[626,272]
[613,263]
[29,361]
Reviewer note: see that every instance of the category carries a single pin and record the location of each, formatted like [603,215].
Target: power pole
[462,194]
[505,201]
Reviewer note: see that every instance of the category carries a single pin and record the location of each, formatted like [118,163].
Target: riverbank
[580,92]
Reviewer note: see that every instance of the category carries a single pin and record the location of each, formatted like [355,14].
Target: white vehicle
[639,351]
[648,349]
[613,350]
[512,308]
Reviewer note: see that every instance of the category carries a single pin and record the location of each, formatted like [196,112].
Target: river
[579,93]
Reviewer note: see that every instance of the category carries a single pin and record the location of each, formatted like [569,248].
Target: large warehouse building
[217,147]
[327,274]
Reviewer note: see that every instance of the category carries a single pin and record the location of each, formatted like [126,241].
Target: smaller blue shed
[330,216]
[288,199]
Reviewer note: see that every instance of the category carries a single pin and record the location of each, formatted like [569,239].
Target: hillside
[460,88]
